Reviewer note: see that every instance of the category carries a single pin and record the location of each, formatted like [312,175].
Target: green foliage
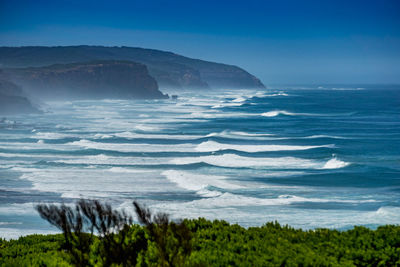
[169,242]
[34,250]
[201,242]
[220,244]
[113,243]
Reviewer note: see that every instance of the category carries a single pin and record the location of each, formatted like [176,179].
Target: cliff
[169,69]
[89,80]
[12,99]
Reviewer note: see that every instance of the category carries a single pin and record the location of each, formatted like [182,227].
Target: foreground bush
[199,242]
[95,234]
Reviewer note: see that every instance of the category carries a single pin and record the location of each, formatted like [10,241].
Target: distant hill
[169,69]
[87,80]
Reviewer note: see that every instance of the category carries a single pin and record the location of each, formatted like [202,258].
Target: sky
[281,41]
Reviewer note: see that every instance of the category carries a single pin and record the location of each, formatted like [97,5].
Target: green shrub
[200,242]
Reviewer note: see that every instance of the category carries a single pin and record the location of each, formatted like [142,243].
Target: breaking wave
[233,200]
[275,113]
[335,163]
[210,146]
[199,182]
[236,161]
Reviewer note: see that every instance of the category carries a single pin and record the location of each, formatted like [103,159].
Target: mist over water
[308,157]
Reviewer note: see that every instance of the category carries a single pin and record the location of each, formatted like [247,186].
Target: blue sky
[279,41]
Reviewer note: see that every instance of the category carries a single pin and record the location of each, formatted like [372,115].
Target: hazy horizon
[285,42]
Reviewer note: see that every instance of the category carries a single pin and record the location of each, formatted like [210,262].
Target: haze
[278,41]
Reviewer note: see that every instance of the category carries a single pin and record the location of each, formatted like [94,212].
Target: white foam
[275,113]
[216,114]
[36,145]
[210,115]
[334,163]
[227,104]
[232,160]
[250,134]
[102,159]
[46,135]
[276,94]
[113,101]
[163,120]
[233,200]
[93,183]
[123,147]
[275,174]
[102,136]
[239,99]
[120,125]
[132,135]
[237,134]
[126,170]
[323,136]
[210,146]
[388,211]
[246,136]
[209,193]
[236,161]
[147,128]
[198,182]
[266,136]
[197,102]
[225,160]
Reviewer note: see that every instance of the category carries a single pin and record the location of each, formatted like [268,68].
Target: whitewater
[309,157]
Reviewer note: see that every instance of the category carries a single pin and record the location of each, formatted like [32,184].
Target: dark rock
[12,100]
[90,80]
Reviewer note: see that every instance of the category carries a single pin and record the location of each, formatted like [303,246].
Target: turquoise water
[308,157]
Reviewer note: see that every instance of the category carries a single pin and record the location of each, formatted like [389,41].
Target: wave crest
[236,161]
[211,146]
[335,163]
[199,182]
[275,113]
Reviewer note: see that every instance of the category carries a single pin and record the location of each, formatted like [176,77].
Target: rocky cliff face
[91,80]
[12,99]
[174,75]
[169,69]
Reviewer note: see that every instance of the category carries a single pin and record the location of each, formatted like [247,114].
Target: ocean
[306,156]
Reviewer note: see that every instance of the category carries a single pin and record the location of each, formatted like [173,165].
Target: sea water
[309,157]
